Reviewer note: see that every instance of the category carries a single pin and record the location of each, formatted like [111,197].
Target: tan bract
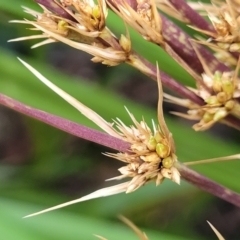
[145,19]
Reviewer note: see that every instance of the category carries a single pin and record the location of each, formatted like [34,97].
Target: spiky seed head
[219,91]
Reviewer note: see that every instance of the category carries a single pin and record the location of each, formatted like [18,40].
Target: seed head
[219,92]
[82,28]
[151,156]
[225,18]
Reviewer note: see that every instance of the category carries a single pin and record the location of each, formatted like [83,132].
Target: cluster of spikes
[81,24]
[220,92]
[224,16]
[151,156]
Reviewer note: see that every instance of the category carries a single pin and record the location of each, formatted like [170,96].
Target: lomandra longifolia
[148,153]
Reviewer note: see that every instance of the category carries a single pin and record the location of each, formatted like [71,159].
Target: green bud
[158,137]
[228,87]
[229,105]
[96,12]
[223,45]
[62,26]
[217,84]
[211,100]
[207,117]
[125,43]
[152,143]
[220,114]
[167,162]
[222,97]
[153,157]
[162,150]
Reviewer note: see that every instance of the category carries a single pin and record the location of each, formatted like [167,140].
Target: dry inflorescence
[151,156]
[220,97]
[225,18]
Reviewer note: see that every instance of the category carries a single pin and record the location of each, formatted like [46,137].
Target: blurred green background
[42,166]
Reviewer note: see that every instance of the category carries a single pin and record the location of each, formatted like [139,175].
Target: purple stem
[179,41]
[208,185]
[174,36]
[66,125]
[150,70]
[117,144]
[194,17]
[232,121]
[55,8]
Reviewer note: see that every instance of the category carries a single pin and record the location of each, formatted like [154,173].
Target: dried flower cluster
[151,156]
[220,92]
[81,24]
[224,16]
[82,27]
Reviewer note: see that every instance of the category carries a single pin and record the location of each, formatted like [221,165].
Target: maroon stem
[150,70]
[208,185]
[55,8]
[194,17]
[66,125]
[117,144]
[232,121]
[179,41]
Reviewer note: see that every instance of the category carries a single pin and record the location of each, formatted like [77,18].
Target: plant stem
[194,17]
[208,185]
[117,144]
[66,125]
[179,41]
[150,70]
[55,8]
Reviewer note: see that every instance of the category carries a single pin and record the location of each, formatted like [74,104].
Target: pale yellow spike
[140,234]
[97,194]
[100,237]
[211,160]
[202,60]
[27,38]
[87,112]
[186,116]
[220,237]
[45,42]
[161,119]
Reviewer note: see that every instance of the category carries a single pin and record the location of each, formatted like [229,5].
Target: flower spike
[220,92]
[151,156]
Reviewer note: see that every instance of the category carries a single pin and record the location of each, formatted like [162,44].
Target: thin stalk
[117,144]
[66,125]
[194,17]
[150,70]
[208,185]
[232,121]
